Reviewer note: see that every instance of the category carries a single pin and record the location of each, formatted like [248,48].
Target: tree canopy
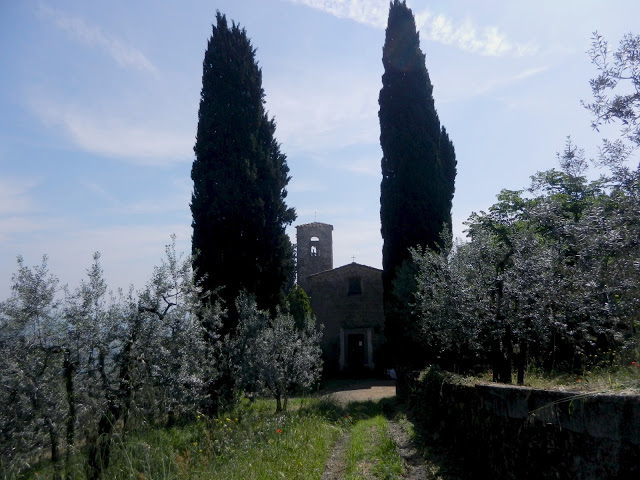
[550,274]
[418,163]
[239,179]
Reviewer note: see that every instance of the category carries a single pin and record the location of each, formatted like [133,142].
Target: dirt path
[417,467]
[334,469]
[362,391]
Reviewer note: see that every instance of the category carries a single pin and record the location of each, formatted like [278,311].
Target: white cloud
[93,36]
[362,166]
[117,137]
[113,138]
[305,186]
[332,117]
[465,36]
[360,238]
[367,165]
[12,225]
[500,83]
[14,197]
[369,12]
[438,28]
[99,191]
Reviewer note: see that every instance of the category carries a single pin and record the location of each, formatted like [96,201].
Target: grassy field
[253,442]
[613,378]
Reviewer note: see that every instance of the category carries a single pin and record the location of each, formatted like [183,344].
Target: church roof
[355,265]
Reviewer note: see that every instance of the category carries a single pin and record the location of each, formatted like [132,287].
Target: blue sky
[99,101]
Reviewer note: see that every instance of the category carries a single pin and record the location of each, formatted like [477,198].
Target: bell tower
[314,250]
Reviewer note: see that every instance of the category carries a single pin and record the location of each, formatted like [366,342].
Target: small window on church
[314,251]
[355,286]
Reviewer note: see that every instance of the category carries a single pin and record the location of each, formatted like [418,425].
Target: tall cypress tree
[239,179]
[418,165]
[448,161]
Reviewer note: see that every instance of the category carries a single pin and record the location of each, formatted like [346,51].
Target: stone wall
[523,433]
[314,250]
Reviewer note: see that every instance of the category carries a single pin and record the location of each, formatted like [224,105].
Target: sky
[99,104]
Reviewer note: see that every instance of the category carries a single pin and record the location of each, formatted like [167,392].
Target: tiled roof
[348,265]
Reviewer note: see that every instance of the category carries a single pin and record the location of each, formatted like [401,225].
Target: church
[347,300]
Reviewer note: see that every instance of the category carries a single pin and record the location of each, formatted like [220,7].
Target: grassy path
[381,443]
[318,439]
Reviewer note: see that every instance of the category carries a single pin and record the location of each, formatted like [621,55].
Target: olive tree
[272,355]
[31,360]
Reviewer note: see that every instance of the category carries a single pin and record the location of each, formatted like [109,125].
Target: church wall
[348,300]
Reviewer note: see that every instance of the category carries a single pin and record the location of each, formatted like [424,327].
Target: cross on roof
[353,258]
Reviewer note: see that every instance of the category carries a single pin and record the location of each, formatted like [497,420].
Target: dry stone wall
[522,433]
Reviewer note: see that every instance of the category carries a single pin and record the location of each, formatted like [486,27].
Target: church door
[355,352]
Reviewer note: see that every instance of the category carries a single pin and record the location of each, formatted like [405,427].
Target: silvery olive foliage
[31,354]
[180,338]
[550,275]
[550,278]
[272,355]
[79,366]
[616,91]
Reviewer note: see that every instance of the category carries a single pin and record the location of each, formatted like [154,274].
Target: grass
[253,442]
[371,452]
[614,378]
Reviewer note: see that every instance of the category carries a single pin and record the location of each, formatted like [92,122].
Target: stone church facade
[347,300]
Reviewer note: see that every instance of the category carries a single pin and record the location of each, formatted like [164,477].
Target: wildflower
[346,416]
[579,380]
[278,431]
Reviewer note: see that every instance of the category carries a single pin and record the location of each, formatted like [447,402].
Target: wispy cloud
[502,82]
[93,36]
[14,195]
[367,165]
[14,228]
[363,166]
[359,238]
[369,12]
[113,138]
[306,186]
[100,191]
[116,137]
[488,41]
[333,116]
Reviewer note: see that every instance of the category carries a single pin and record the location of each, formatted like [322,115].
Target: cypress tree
[418,165]
[239,179]
[448,161]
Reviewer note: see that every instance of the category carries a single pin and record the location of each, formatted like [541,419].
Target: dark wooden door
[355,352]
